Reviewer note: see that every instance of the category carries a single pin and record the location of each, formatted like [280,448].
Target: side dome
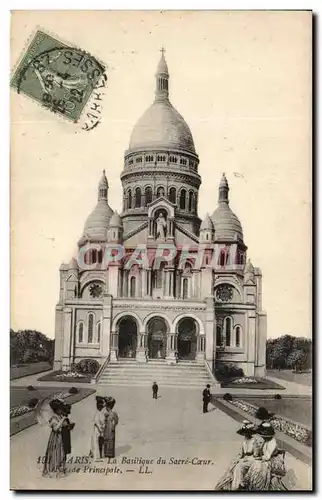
[115,220]
[161,126]
[226,223]
[97,222]
[207,224]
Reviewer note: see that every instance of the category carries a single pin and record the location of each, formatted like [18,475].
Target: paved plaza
[172,426]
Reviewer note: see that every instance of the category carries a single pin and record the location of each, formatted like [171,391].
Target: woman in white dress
[97,439]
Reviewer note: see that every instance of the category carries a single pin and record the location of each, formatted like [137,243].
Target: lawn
[304,378]
[298,409]
[58,376]
[19,371]
[21,396]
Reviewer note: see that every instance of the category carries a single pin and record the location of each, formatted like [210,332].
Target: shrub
[227,397]
[227,372]
[31,388]
[88,366]
[73,390]
[32,403]
[277,396]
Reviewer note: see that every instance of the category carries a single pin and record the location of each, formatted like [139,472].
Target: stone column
[261,335]
[106,326]
[114,345]
[170,357]
[140,350]
[210,325]
[200,353]
[59,338]
[178,282]
[144,284]
[171,283]
[67,312]
[251,344]
[149,282]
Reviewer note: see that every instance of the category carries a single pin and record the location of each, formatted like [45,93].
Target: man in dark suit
[155,389]
[206,397]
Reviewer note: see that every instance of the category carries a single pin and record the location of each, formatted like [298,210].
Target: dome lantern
[103,188]
[162,79]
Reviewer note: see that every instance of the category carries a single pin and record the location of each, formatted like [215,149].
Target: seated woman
[268,468]
[233,479]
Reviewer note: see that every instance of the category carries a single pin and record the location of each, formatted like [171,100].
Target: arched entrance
[127,330]
[157,338]
[187,339]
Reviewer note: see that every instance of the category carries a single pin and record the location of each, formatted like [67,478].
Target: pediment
[160,203]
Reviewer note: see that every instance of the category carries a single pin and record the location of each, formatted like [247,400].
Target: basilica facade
[181,288]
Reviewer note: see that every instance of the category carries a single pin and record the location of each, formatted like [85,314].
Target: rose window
[224,293]
[96,290]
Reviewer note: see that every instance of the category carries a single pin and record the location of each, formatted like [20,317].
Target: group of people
[59,443]
[259,465]
[103,435]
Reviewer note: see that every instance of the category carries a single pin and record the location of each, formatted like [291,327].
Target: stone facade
[203,302]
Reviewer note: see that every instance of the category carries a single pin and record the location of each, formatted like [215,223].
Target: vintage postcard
[161,334]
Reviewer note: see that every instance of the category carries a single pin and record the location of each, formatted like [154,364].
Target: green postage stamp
[59,77]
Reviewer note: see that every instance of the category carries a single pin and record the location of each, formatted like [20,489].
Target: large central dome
[161,126]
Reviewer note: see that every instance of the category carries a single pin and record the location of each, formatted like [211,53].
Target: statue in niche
[161,227]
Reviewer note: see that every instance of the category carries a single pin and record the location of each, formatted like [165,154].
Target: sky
[242,82]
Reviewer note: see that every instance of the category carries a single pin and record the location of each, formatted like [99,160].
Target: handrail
[96,377]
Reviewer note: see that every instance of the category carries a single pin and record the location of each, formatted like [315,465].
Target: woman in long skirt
[268,468]
[97,439]
[233,479]
[111,421]
[55,458]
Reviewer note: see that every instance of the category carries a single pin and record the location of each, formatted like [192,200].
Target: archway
[157,338]
[187,339]
[127,343]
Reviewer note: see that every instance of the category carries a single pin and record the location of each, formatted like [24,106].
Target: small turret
[206,230]
[115,230]
[248,272]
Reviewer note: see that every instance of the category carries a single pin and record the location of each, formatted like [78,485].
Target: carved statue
[161,227]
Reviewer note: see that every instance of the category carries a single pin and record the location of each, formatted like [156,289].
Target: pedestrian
[155,389]
[97,438]
[206,397]
[55,458]
[66,430]
[111,421]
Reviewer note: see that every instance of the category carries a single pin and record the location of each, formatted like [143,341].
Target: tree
[289,352]
[27,346]
[296,359]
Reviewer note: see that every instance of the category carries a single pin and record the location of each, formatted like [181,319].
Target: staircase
[131,373]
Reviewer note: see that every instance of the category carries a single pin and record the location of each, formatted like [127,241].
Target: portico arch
[201,330]
[124,314]
[127,330]
[187,338]
[157,332]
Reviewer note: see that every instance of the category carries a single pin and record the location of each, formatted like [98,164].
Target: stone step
[145,369]
[143,383]
[159,380]
[129,372]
